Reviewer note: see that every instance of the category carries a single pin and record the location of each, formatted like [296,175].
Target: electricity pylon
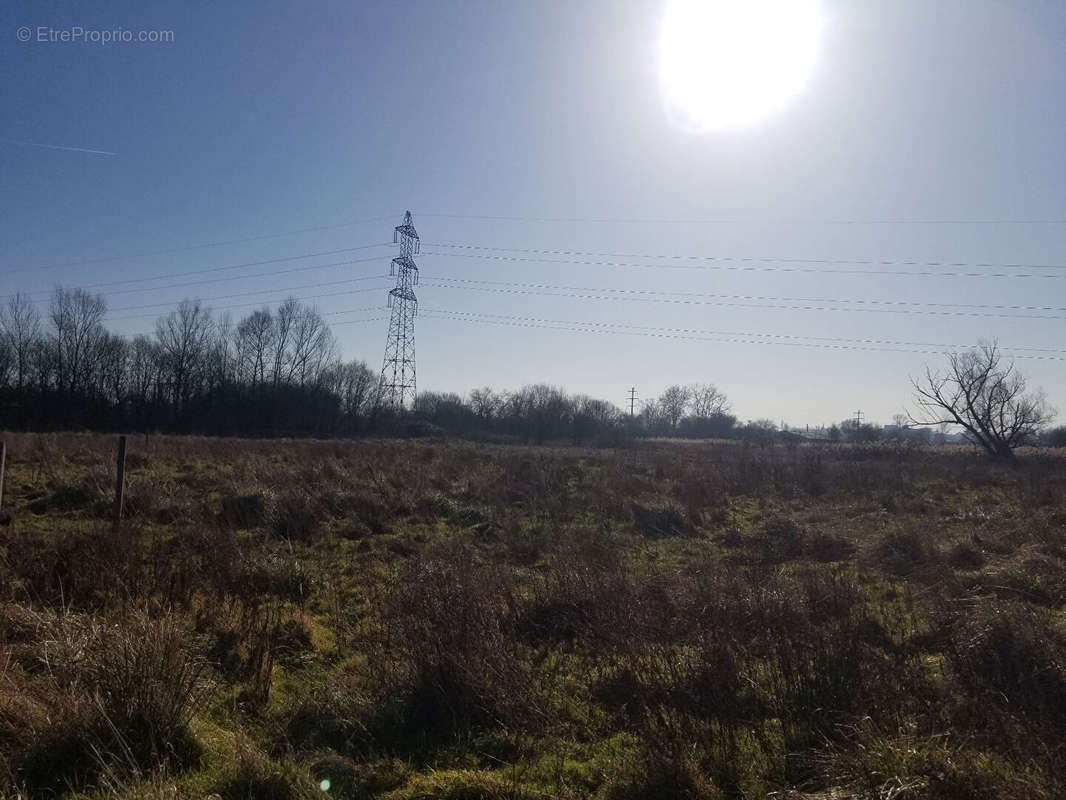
[397,385]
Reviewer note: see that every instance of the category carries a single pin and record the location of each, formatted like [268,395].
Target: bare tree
[111,376]
[221,356]
[673,402]
[255,340]
[591,415]
[184,337]
[144,369]
[543,411]
[313,346]
[652,417]
[706,401]
[20,326]
[983,396]
[76,316]
[43,369]
[355,383]
[486,403]
[284,329]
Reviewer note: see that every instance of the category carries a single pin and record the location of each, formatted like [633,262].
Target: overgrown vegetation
[432,619]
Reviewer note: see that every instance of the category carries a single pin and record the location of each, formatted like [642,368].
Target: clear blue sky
[266,117]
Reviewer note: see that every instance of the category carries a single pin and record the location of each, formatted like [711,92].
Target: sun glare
[729,63]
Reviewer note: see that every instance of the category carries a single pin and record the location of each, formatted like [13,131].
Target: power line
[528,285]
[619,295]
[747,221]
[354,321]
[199,246]
[666,335]
[345,322]
[694,334]
[236,277]
[258,291]
[744,268]
[752,259]
[704,331]
[223,268]
[262,302]
[353,311]
[701,331]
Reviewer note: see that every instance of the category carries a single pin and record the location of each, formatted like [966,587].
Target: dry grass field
[414,619]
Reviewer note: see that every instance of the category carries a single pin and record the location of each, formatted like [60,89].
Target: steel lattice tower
[397,384]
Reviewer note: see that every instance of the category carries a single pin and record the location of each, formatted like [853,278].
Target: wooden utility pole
[120,480]
[632,400]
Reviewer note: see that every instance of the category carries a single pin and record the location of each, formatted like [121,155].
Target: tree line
[273,371]
[540,413]
[279,372]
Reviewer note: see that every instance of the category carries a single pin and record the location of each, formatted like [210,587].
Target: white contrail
[59,147]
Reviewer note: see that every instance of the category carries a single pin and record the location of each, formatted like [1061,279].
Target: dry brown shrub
[120,693]
[450,622]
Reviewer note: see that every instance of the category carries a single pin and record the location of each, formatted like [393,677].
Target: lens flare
[729,63]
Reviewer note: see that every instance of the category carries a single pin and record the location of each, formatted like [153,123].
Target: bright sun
[729,63]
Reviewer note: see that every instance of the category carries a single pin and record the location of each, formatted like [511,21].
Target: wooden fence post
[120,480]
[3,460]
